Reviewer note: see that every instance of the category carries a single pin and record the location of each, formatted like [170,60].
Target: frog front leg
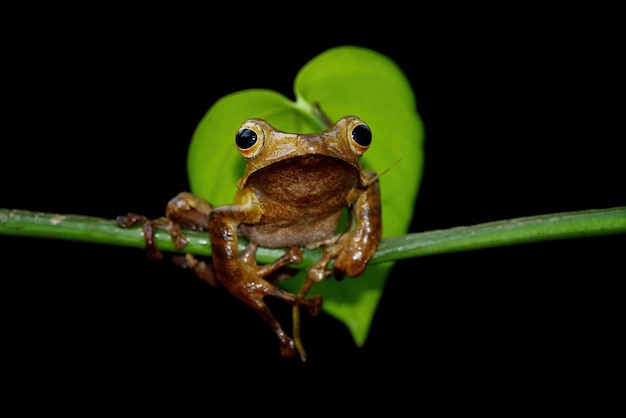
[242,277]
[356,247]
[187,211]
[353,248]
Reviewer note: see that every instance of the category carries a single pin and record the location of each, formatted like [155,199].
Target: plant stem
[492,234]
[548,227]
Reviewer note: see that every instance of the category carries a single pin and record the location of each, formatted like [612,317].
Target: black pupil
[362,135]
[245,138]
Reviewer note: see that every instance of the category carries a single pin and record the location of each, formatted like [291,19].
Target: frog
[292,194]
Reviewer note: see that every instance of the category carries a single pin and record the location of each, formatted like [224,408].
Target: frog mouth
[306,165]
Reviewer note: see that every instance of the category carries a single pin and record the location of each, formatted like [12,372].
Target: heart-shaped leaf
[343,81]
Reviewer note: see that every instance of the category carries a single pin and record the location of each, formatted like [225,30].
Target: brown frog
[292,194]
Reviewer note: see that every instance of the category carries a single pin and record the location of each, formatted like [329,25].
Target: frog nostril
[245,138]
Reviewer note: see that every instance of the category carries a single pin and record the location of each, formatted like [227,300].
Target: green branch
[492,234]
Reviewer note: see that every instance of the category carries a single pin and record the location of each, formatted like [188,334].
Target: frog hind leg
[256,302]
[259,288]
[202,268]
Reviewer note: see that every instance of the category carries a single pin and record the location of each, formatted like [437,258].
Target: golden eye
[250,139]
[360,136]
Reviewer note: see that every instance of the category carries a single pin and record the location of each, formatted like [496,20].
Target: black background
[523,117]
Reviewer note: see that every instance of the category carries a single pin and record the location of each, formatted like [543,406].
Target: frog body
[292,194]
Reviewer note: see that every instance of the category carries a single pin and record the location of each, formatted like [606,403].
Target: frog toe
[287,346]
[314,304]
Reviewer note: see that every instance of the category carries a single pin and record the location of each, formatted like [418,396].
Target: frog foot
[201,268]
[314,305]
[149,232]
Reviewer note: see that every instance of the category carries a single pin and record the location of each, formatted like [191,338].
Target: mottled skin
[292,194]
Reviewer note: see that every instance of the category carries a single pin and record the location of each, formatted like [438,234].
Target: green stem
[492,234]
[523,230]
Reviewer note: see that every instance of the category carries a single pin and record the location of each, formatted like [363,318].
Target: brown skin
[292,193]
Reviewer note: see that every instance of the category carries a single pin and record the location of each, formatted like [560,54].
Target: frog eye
[250,139]
[360,137]
[246,138]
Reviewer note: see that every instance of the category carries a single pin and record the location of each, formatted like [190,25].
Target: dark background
[522,118]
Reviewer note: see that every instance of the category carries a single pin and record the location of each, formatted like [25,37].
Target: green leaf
[342,81]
